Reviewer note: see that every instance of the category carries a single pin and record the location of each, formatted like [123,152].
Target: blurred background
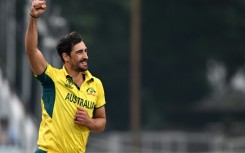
[173,73]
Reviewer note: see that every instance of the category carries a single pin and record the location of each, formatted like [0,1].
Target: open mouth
[84,63]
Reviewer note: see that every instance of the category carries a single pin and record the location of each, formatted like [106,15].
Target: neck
[77,77]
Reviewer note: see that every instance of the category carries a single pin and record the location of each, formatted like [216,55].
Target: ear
[65,57]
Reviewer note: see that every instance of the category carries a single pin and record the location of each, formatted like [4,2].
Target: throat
[78,81]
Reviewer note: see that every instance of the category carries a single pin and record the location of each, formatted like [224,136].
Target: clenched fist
[37,8]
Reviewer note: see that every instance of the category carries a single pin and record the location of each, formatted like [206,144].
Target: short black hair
[67,42]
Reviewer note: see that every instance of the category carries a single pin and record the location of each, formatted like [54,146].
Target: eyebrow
[82,50]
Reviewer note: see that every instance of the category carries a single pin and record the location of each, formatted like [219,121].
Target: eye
[79,52]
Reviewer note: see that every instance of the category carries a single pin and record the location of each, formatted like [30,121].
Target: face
[78,58]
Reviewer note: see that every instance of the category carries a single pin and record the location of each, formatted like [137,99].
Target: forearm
[31,39]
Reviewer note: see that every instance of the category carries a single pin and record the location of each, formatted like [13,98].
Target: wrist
[33,16]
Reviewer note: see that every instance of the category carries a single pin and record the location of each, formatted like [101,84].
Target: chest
[70,95]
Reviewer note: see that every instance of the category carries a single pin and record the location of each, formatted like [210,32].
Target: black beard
[79,69]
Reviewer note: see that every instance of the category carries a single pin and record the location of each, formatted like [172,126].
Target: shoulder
[92,78]
[50,72]
[97,81]
[51,69]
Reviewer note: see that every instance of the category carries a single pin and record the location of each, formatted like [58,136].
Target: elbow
[30,48]
[102,129]
[30,51]
[99,127]
[27,51]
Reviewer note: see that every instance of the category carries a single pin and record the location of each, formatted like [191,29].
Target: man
[73,100]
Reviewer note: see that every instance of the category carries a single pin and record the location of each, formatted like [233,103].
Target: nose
[85,55]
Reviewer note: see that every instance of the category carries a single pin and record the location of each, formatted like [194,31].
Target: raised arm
[35,56]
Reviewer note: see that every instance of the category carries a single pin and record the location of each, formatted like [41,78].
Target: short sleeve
[47,75]
[101,95]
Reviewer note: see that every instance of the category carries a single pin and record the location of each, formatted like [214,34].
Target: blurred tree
[179,37]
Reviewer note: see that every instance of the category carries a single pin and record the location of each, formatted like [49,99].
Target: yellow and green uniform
[58,133]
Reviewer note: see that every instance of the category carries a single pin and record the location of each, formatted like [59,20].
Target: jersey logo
[91,91]
[69,82]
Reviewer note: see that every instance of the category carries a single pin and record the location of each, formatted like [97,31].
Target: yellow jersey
[58,133]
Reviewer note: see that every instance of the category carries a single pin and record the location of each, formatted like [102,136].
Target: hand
[38,7]
[82,117]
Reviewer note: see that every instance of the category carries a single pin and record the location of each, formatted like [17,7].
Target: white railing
[20,125]
[166,142]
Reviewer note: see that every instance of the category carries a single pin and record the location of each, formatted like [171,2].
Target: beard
[82,66]
[79,65]
[82,69]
